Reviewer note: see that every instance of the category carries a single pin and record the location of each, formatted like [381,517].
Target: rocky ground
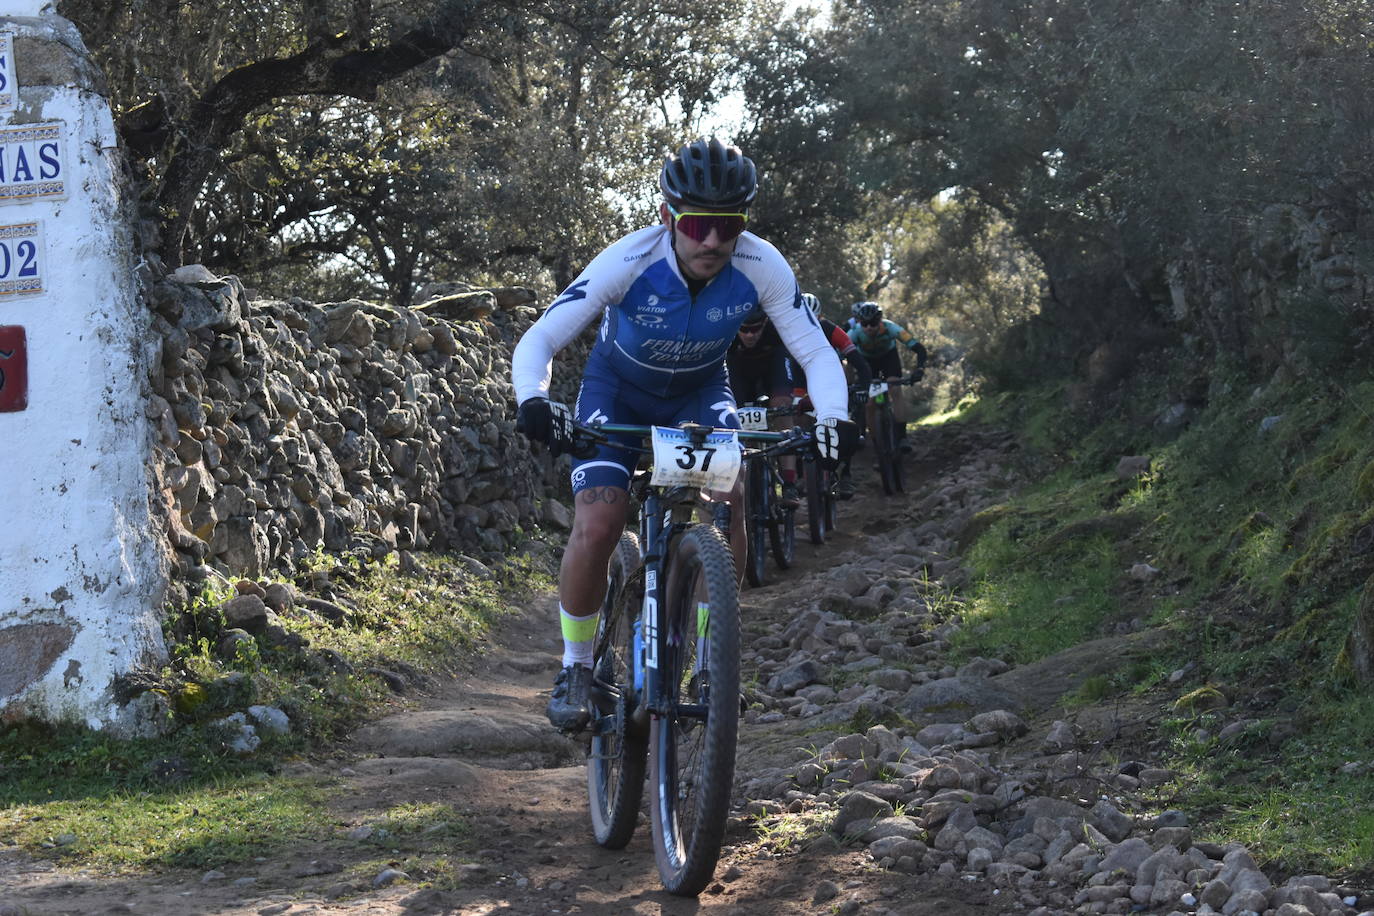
[874,777]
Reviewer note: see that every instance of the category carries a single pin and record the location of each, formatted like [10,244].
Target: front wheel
[828,482]
[692,742]
[616,755]
[816,494]
[885,445]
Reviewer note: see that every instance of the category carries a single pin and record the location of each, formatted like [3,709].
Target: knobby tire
[815,501]
[884,443]
[692,761]
[616,756]
[758,508]
[828,483]
[782,535]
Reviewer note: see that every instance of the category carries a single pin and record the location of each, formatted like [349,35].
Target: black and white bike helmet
[867,312]
[707,173]
[812,302]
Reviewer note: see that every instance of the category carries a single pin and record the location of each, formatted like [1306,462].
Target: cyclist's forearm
[863,374]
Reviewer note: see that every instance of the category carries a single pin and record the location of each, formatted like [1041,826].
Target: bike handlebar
[587,434]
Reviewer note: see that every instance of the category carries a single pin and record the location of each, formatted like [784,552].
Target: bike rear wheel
[692,745]
[616,755]
[756,521]
[816,494]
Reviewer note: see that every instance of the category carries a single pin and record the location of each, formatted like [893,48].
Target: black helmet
[755,318]
[867,312]
[707,173]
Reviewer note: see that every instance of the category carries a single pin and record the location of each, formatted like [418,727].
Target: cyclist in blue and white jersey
[670,299]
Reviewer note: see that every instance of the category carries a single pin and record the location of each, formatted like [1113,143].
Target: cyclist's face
[698,260]
[749,337]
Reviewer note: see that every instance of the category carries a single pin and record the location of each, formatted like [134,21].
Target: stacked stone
[948,810]
[288,426]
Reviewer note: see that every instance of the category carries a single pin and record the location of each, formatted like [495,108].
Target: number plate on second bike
[877,389]
[713,465]
[755,418]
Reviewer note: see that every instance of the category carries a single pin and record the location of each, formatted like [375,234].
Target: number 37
[688,460]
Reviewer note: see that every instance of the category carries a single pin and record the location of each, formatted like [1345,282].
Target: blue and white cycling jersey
[658,338]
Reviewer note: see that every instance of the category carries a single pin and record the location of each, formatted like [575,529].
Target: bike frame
[664,514]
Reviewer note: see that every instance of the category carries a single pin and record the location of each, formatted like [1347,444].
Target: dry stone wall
[287,426]
[1296,283]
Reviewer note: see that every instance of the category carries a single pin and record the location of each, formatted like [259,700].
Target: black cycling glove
[537,420]
[835,440]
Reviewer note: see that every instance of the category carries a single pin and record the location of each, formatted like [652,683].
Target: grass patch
[1257,512]
[226,821]
[1027,605]
[185,798]
[1304,804]
[783,834]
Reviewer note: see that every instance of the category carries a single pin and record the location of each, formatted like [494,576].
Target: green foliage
[1255,513]
[1300,803]
[1029,603]
[1156,160]
[497,139]
[226,821]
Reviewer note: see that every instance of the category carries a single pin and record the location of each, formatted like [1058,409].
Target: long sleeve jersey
[665,341]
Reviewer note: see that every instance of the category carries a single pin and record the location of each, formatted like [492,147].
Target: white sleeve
[602,282]
[802,335]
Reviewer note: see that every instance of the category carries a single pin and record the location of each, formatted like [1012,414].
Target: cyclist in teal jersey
[877,340]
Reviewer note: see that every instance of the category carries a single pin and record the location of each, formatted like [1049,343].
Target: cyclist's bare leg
[738,543]
[599,515]
[787,464]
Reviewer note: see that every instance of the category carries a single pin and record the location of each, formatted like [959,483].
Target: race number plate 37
[713,465]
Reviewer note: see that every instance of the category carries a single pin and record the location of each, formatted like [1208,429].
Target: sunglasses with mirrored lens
[697,225]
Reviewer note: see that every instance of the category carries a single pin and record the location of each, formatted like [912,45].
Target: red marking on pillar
[14,369]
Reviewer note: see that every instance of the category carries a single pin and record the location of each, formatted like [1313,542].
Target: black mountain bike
[769,525]
[885,434]
[768,519]
[665,674]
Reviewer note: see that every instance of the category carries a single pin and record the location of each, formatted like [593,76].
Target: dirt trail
[480,744]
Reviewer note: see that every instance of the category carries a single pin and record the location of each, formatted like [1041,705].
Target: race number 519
[22,267]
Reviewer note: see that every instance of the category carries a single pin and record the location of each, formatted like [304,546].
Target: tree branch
[330,66]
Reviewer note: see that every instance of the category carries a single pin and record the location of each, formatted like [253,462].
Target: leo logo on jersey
[718,314]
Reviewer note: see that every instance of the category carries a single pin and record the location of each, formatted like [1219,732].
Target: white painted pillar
[82,570]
